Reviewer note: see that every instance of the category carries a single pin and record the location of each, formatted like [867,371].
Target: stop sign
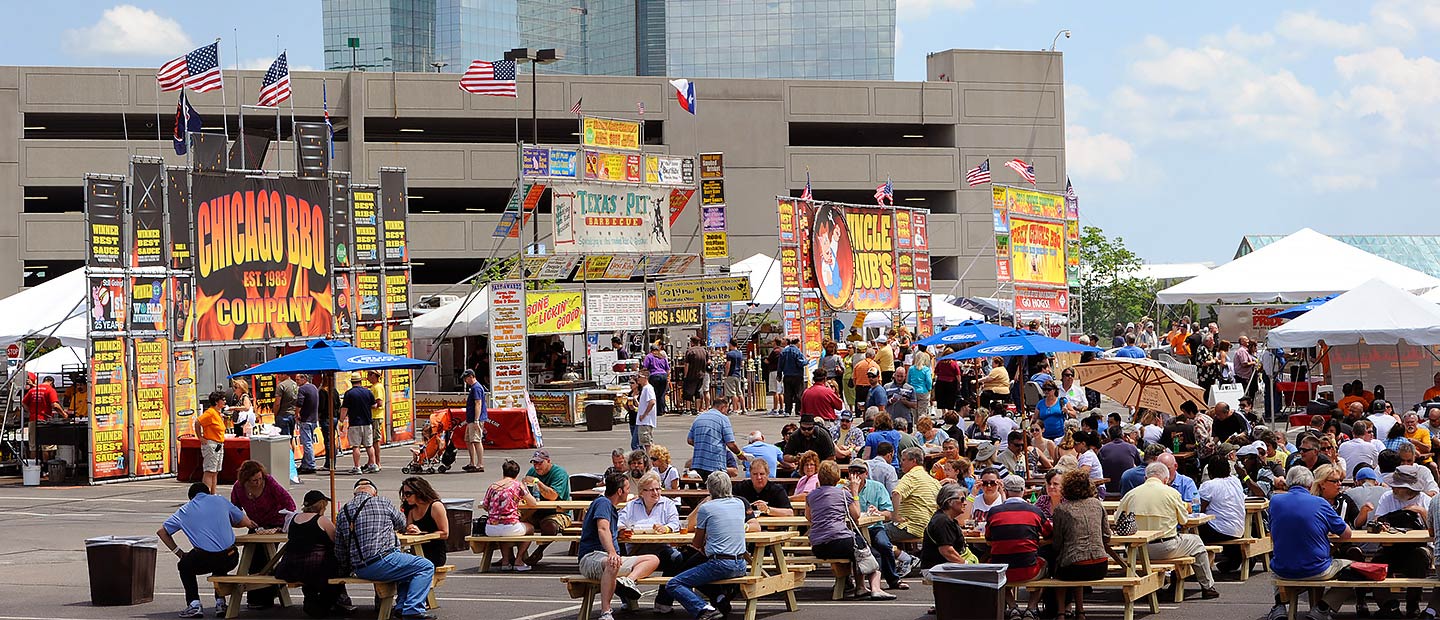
[13,351]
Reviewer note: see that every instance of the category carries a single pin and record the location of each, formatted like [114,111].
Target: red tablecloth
[237,451]
[508,429]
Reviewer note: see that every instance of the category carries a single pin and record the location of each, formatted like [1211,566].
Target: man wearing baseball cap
[551,483]
[476,413]
[365,541]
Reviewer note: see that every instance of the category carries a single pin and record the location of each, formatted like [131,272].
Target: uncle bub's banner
[262,264]
[852,253]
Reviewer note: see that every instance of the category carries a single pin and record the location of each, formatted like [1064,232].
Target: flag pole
[159,137]
[239,107]
[296,152]
[224,107]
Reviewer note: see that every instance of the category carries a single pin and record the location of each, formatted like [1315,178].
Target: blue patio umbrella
[1294,311]
[1020,342]
[333,356]
[967,332]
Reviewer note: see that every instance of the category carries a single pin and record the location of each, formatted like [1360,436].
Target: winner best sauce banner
[109,434]
[262,267]
[151,417]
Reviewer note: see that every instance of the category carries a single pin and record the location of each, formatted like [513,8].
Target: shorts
[646,434]
[691,388]
[212,454]
[774,383]
[592,566]
[475,433]
[1026,573]
[361,436]
[705,383]
[558,519]
[732,386]
[509,529]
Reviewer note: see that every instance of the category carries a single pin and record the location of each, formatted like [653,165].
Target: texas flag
[685,94]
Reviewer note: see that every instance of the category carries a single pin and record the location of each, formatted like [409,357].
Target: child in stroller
[436,452]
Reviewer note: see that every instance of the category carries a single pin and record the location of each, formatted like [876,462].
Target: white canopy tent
[946,313]
[764,274]
[1374,312]
[474,319]
[1295,269]
[53,363]
[55,308]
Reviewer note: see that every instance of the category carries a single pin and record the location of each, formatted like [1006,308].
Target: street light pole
[534,57]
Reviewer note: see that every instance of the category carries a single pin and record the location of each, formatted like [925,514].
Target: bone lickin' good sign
[262,264]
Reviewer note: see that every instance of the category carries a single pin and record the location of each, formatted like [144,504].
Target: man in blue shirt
[734,376]
[1300,525]
[476,413]
[1178,481]
[207,521]
[1130,350]
[1135,476]
[711,435]
[356,407]
[761,450]
[792,375]
[720,532]
[599,550]
[308,406]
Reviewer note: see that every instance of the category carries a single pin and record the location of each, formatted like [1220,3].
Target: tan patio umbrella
[1139,383]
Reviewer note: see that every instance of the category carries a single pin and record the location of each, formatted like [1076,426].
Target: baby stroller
[436,452]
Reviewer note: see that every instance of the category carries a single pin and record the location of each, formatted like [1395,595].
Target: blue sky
[1188,124]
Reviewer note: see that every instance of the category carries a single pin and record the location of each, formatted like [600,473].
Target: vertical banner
[369,337]
[394,198]
[397,293]
[262,388]
[177,204]
[400,392]
[147,214]
[790,316]
[365,220]
[507,344]
[924,317]
[185,398]
[182,309]
[367,290]
[718,328]
[342,222]
[149,303]
[813,333]
[109,438]
[1001,225]
[104,223]
[151,417]
[106,301]
[346,302]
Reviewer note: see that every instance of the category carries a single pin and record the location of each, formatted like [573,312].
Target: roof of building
[1418,252]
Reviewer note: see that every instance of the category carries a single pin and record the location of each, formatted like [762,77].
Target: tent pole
[333,450]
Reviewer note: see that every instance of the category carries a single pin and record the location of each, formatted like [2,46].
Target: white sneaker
[663,609]
[606,615]
[625,587]
[522,568]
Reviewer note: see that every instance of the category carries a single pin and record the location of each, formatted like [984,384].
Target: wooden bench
[1183,567]
[483,545]
[1290,589]
[1250,549]
[1131,588]
[231,587]
[752,587]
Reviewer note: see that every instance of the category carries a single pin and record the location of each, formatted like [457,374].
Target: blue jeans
[884,553]
[710,571]
[286,425]
[307,444]
[634,437]
[671,563]
[412,575]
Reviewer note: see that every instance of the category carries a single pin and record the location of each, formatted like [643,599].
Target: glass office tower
[393,35]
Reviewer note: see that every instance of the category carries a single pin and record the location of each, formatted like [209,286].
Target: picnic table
[790,523]
[1140,580]
[253,543]
[695,482]
[687,497]
[1360,537]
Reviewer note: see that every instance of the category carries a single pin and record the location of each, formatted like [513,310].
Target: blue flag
[186,121]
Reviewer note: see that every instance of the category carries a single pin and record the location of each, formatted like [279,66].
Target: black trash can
[968,591]
[122,569]
[461,514]
[599,415]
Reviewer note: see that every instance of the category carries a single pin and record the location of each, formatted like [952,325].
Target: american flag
[496,79]
[1069,190]
[640,105]
[198,71]
[806,194]
[979,174]
[275,86]
[885,191]
[1027,171]
[575,109]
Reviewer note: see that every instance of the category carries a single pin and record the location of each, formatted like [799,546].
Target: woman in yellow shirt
[995,385]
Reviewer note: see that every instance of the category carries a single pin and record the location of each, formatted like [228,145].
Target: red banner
[1035,300]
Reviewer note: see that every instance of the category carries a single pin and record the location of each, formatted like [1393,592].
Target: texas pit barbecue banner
[262,262]
[594,218]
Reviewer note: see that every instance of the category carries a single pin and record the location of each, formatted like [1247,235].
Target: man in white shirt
[1363,449]
[1073,391]
[1383,421]
[1000,425]
[644,414]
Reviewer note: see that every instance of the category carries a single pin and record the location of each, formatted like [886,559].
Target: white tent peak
[1301,266]
[474,320]
[1375,312]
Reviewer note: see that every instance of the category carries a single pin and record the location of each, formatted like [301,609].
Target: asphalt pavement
[44,570]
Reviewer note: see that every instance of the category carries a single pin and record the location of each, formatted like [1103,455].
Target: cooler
[273,452]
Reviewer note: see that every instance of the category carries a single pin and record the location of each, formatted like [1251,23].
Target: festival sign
[1037,251]
[663,170]
[342,224]
[718,328]
[394,209]
[712,192]
[790,267]
[903,240]
[534,161]
[853,257]
[152,407]
[147,214]
[177,199]
[104,221]
[919,231]
[366,222]
[367,288]
[369,337]
[554,312]
[595,267]
[107,304]
[1002,257]
[562,163]
[621,267]
[182,313]
[397,294]
[924,316]
[1022,202]
[786,209]
[401,387]
[507,344]
[678,199]
[109,435]
[592,218]
[922,272]
[149,303]
[687,316]
[1054,301]
[611,311]
[185,398]
[611,167]
[812,333]
[695,291]
[675,265]
[905,268]
[263,262]
[790,315]
[716,245]
[607,133]
[712,165]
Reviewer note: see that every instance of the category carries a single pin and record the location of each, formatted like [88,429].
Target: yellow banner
[1028,202]
[554,312]
[1037,251]
[701,291]
[717,245]
[611,134]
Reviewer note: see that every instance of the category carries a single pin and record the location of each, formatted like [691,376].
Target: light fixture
[37,197]
[411,130]
[35,128]
[475,210]
[415,197]
[211,128]
[425,211]
[913,135]
[913,199]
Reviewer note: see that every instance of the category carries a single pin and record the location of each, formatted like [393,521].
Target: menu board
[507,344]
[109,440]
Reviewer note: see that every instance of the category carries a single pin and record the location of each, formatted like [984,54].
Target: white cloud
[1342,182]
[1240,40]
[1311,29]
[920,9]
[127,30]
[1097,156]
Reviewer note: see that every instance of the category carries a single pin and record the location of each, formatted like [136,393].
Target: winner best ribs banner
[592,218]
[262,267]
[109,434]
[401,394]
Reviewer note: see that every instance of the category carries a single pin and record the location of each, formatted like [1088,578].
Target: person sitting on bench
[599,550]
[207,521]
[720,534]
[1300,523]
[365,541]
[1159,507]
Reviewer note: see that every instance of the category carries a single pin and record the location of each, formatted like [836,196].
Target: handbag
[1124,523]
[865,562]
[1368,571]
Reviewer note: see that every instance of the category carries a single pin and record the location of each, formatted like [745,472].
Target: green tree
[1110,287]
